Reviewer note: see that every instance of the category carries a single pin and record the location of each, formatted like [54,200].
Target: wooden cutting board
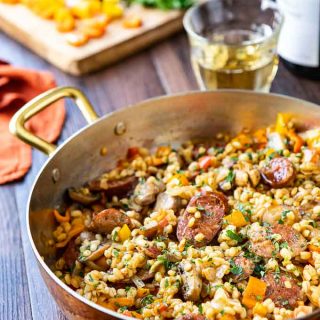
[40,36]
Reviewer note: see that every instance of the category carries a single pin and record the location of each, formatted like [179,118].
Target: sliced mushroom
[83,196]
[167,202]
[191,281]
[98,253]
[119,188]
[145,193]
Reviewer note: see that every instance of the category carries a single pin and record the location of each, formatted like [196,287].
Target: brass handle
[17,123]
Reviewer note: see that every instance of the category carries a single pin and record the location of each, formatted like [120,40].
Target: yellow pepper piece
[124,233]
[86,9]
[236,218]
[282,123]
[65,22]
[112,8]
[179,179]
[260,309]
[254,292]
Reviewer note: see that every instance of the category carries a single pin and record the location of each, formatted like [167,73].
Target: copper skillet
[169,119]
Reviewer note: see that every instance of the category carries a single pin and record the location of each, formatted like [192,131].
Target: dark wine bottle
[299,42]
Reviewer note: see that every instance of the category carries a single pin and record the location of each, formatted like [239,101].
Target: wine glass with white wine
[233,43]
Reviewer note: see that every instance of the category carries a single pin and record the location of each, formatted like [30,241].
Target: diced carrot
[205,162]
[298,142]
[254,292]
[132,22]
[236,218]
[124,233]
[60,218]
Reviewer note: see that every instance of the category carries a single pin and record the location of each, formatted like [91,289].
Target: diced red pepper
[205,162]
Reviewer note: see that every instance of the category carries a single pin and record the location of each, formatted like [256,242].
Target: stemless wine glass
[233,43]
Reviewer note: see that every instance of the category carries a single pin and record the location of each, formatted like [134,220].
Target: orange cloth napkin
[18,86]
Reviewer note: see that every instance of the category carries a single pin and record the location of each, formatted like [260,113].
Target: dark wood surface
[162,69]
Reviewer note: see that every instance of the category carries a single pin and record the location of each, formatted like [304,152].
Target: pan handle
[17,123]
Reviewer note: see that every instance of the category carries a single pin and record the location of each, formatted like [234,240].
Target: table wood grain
[162,69]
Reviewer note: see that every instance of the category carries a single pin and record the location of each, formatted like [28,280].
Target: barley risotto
[223,230]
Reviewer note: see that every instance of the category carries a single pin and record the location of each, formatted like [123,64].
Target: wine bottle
[299,42]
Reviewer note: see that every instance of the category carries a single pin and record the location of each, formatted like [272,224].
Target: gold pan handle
[17,123]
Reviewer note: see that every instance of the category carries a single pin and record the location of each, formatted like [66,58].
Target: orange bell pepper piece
[297,141]
[254,292]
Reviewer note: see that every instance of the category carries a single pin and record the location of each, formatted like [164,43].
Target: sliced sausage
[145,193]
[296,242]
[279,172]
[192,316]
[191,281]
[282,289]
[247,267]
[83,195]
[213,206]
[277,213]
[260,242]
[119,188]
[106,220]
[71,254]
[167,202]
[262,245]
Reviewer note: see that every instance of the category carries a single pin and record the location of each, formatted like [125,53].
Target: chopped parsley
[200,308]
[234,236]
[283,216]
[230,176]
[236,270]
[147,300]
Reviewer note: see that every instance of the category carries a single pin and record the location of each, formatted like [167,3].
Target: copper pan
[169,119]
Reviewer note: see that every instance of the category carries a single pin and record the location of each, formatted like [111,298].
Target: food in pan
[227,229]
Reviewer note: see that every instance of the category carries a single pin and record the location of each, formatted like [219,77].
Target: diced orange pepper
[108,305]
[141,292]
[205,162]
[122,301]
[312,247]
[228,317]
[92,30]
[132,22]
[132,314]
[181,178]
[163,223]
[254,292]
[60,218]
[297,141]
[236,218]
[260,137]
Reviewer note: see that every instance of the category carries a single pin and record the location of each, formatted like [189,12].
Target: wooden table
[163,69]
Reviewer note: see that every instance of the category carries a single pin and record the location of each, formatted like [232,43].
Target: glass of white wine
[233,43]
